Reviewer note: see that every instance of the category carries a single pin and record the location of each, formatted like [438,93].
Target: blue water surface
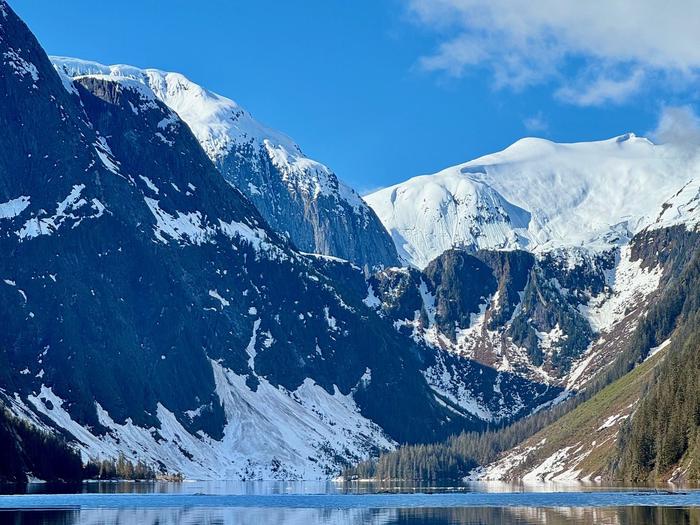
[329,503]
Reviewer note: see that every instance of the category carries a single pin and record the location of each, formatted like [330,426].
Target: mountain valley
[181,286]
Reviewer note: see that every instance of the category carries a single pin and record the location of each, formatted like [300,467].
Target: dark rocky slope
[297,196]
[149,309]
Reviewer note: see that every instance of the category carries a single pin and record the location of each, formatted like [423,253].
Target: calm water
[330,503]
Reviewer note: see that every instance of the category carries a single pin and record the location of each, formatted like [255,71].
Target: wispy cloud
[528,42]
[536,123]
[602,89]
[678,125]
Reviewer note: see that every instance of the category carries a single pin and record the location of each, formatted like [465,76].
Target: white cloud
[677,125]
[536,123]
[454,55]
[525,42]
[602,89]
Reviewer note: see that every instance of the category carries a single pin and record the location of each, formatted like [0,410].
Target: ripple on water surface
[324,503]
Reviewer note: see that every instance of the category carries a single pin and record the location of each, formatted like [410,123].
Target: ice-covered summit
[298,196]
[218,122]
[536,195]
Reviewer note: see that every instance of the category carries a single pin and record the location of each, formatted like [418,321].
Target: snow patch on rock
[73,208]
[630,284]
[13,207]
[271,433]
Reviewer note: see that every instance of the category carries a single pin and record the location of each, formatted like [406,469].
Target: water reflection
[283,516]
[237,503]
[311,487]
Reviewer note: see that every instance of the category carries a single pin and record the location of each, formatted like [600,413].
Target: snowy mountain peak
[298,196]
[532,148]
[217,122]
[536,195]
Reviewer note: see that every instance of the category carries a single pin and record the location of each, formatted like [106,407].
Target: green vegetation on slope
[26,450]
[588,432]
[455,457]
[575,424]
[675,248]
[665,433]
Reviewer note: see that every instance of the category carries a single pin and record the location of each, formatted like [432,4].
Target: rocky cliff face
[308,203]
[149,309]
[297,196]
[545,316]
[636,428]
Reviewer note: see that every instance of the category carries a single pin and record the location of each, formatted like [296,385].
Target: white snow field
[539,195]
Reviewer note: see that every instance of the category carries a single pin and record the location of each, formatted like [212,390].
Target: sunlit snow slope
[538,195]
[296,195]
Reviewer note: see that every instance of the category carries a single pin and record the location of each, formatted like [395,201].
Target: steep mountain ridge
[118,217]
[538,195]
[643,426]
[296,195]
[555,317]
[150,310]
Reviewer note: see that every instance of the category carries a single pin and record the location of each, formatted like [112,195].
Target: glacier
[539,195]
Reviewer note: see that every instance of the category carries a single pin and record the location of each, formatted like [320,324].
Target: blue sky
[382,90]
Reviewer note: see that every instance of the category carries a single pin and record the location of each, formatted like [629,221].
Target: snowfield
[270,433]
[539,195]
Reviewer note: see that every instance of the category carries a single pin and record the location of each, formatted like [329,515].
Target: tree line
[120,468]
[29,451]
[458,455]
[665,429]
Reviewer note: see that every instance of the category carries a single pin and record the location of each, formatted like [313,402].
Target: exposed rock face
[307,202]
[149,309]
[623,431]
[297,196]
[545,316]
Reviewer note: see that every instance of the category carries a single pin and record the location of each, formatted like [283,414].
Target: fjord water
[332,503]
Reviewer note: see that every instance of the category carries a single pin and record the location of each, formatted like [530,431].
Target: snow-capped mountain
[527,260]
[154,308]
[149,309]
[296,195]
[572,263]
[538,195]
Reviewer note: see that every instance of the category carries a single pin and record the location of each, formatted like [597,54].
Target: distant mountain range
[181,285]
